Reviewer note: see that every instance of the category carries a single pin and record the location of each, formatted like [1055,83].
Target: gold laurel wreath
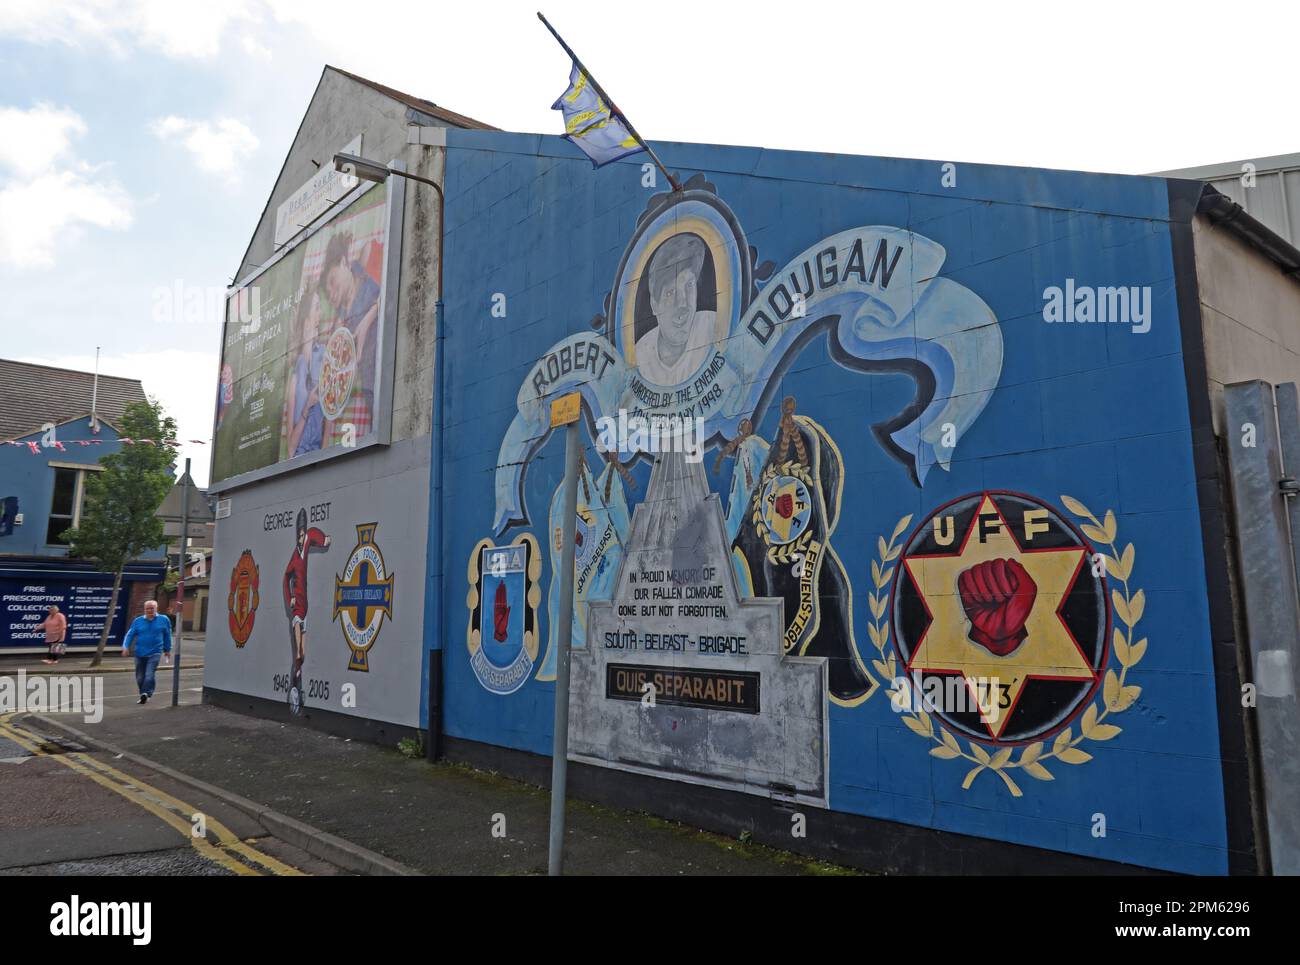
[1116,697]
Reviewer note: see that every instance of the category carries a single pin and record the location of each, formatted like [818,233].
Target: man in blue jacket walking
[151,635]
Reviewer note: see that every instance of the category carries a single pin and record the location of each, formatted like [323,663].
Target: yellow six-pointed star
[1047,651]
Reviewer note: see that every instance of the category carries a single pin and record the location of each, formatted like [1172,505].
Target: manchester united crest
[243,599]
[504,592]
[363,597]
[1000,617]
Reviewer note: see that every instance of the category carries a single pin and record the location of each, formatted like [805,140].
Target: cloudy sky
[139,139]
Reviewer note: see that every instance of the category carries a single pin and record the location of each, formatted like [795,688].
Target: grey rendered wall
[1250,311]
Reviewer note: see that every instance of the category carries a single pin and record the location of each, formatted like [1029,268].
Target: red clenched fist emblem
[997,596]
[500,615]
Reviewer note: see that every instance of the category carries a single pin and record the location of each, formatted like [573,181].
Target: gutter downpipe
[1224,212]
[435,137]
[433,745]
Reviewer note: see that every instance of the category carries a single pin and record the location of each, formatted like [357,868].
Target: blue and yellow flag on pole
[590,123]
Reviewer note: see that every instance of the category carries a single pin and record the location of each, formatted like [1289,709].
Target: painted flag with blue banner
[590,123]
[603,520]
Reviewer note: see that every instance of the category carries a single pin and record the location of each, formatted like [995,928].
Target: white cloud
[184,382]
[219,146]
[181,29]
[50,194]
[35,215]
[31,141]
[254,49]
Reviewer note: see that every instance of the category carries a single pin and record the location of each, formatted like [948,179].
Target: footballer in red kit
[295,601]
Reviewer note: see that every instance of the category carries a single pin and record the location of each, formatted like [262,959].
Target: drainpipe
[437,137]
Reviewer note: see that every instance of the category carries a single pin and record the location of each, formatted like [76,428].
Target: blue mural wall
[921,437]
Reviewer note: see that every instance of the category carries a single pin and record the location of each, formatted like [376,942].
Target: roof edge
[421,104]
[1223,212]
[60,368]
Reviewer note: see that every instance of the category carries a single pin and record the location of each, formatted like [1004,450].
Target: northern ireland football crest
[244,598]
[504,590]
[363,597]
[1001,623]
[783,549]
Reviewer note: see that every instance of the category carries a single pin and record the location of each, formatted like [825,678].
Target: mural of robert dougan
[677,346]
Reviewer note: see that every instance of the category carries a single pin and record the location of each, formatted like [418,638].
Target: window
[65,507]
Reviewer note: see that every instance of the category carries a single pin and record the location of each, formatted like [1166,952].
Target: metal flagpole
[180,586]
[600,91]
[94,396]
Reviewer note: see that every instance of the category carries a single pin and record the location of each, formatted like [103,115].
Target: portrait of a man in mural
[679,342]
[295,601]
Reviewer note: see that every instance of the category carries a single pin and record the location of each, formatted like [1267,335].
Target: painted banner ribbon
[877,292]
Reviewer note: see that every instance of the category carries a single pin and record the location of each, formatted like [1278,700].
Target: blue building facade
[42,480]
[945,418]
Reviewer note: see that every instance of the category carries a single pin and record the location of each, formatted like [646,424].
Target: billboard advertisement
[303,346]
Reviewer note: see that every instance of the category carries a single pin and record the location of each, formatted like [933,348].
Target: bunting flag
[36,447]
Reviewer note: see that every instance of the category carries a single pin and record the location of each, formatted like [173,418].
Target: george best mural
[856,528]
[319,614]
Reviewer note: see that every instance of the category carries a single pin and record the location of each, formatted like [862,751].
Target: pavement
[73,807]
[78,663]
[328,804]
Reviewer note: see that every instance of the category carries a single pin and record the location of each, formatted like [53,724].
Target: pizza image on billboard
[338,373]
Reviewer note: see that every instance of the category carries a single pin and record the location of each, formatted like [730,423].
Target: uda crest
[504,590]
[243,599]
[363,596]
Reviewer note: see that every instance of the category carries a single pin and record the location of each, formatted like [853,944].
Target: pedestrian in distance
[151,636]
[56,632]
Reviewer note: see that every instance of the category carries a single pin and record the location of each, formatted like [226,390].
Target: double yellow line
[220,844]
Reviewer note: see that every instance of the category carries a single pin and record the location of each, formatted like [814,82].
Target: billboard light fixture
[362,168]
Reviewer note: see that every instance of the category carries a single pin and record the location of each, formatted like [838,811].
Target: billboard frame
[381,432]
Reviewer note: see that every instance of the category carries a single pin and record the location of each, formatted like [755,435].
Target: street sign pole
[180,586]
[564,411]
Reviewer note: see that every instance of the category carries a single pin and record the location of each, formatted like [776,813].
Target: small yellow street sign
[566,409]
